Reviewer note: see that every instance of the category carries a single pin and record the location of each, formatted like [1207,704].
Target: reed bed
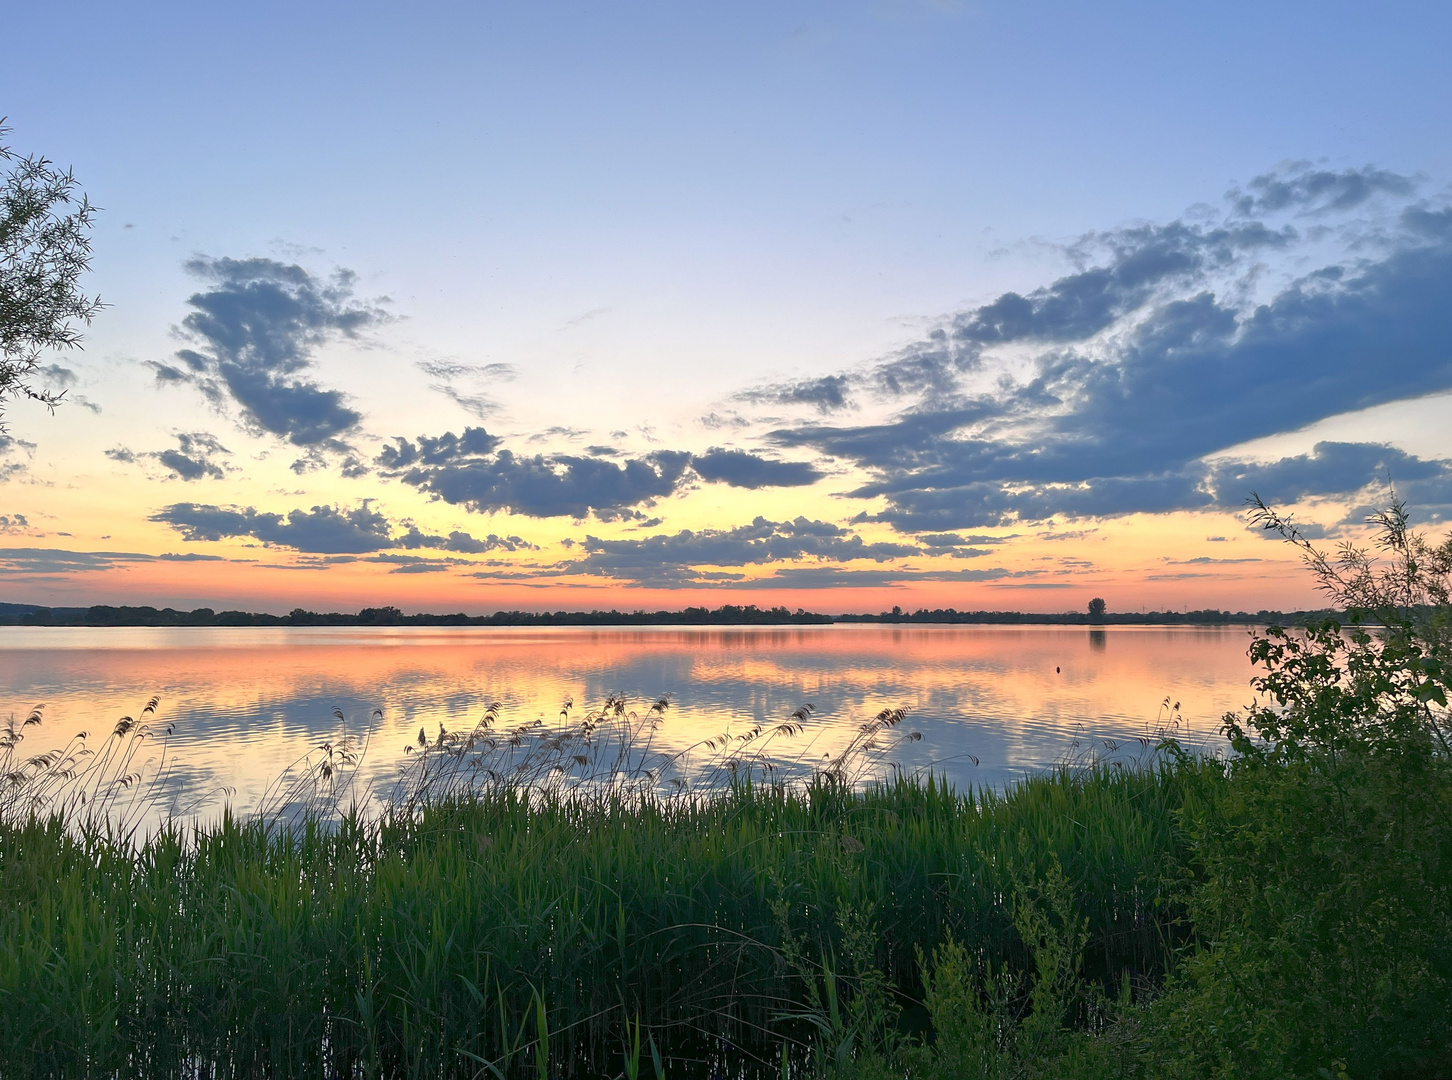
[552,920]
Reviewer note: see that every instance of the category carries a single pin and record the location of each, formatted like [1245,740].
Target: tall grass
[106,786]
[495,928]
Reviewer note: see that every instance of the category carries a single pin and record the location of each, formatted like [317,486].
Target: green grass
[431,943]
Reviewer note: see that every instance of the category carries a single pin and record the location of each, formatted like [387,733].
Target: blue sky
[657,229]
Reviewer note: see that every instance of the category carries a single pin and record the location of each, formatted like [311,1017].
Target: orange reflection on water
[244,703]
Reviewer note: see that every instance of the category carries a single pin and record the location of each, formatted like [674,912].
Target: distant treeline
[1205,616]
[107,615]
[726,615]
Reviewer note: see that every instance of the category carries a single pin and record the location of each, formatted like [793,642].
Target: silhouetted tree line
[1100,617]
[107,615]
[726,615]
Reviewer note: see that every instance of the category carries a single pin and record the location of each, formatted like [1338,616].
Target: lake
[990,702]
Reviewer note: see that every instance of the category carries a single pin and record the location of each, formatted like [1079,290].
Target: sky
[467,307]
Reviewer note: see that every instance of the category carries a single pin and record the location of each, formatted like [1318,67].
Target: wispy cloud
[52,561]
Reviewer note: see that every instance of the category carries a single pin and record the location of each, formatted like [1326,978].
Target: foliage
[45,247]
[1323,892]
[442,942]
[1317,872]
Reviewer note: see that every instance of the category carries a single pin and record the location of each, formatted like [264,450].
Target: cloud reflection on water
[246,703]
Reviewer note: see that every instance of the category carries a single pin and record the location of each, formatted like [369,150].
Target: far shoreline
[105,615]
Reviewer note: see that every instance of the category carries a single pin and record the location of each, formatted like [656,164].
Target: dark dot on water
[1056,671]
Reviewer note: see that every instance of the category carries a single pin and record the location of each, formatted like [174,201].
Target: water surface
[991,702]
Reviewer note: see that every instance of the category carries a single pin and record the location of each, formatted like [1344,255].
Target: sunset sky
[838,305]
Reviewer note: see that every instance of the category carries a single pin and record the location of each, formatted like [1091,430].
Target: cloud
[741,469]
[1299,186]
[835,577]
[59,377]
[1206,560]
[826,394]
[255,331]
[446,449]
[1332,468]
[196,457]
[474,471]
[53,561]
[166,375]
[463,383]
[326,530]
[453,369]
[62,380]
[323,529]
[463,542]
[1125,377]
[15,456]
[415,564]
[675,558]
[934,541]
[470,470]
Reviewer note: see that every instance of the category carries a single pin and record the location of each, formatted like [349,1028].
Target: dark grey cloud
[1332,468]
[1302,187]
[166,374]
[936,541]
[254,332]
[826,394]
[198,455]
[188,468]
[741,469]
[473,470]
[545,486]
[1117,423]
[463,542]
[1129,270]
[323,529]
[446,449]
[624,513]
[326,530]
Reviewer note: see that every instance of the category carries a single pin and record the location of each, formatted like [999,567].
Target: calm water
[988,701]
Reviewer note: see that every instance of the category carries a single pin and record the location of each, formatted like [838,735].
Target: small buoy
[1056,671]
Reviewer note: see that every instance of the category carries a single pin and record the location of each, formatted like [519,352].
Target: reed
[492,923]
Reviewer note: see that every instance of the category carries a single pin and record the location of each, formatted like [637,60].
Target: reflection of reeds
[612,752]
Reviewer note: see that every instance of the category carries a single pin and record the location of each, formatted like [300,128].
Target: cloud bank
[1106,391]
